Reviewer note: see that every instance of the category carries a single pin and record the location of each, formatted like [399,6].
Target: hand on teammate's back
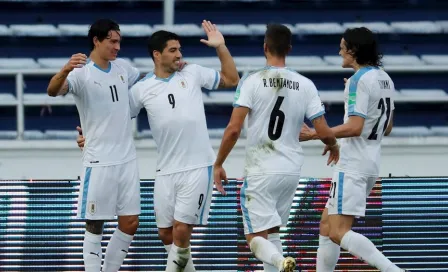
[334,153]
[219,174]
[215,37]
[80,140]
[306,133]
[76,61]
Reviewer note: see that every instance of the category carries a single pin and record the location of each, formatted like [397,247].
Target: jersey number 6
[276,121]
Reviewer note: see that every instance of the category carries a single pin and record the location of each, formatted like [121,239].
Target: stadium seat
[137,30]
[7,99]
[8,135]
[33,135]
[295,61]
[443,25]
[210,62]
[234,30]
[402,60]
[222,97]
[181,29]
[61,134]
[319,28]
[144,63]
[439,131]
[73,30]
[411,131]
[52,62]
[424,93]
[35,30]
[435,59]
[18,63]
[5,31]
[333,60]
[36,99]
[420,27]
[329,96]
[145,134]
[378,27]
[216,133]
[250,62]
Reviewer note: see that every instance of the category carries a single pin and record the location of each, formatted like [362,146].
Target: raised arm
[229,76]
[58,84]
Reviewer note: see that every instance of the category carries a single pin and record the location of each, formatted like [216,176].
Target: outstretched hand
[215,37]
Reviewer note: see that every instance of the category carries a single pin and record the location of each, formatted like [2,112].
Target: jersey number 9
[171,100]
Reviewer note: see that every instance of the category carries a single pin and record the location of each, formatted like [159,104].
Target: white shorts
[348,193]
[184,196]
[107,191]
[266,201]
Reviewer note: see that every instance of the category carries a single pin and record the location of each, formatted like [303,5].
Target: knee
[324,227]
[128,224]
[182,233]
[166,235]
[336,235]
[181,228]
[95,226]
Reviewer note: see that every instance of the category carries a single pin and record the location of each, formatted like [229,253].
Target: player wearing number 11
[368,116]
[173,102]
[276,100]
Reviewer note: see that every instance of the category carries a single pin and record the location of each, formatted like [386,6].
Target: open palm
[215,38]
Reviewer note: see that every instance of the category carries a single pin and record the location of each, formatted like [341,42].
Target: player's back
[369,94]
[102,100]
[280,99]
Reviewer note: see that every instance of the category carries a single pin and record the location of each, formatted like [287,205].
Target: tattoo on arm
[95,226]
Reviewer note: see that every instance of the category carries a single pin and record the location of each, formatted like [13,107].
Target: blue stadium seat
[187,30]
[404,60]
[8,135]
[5,31]
[439,131]
[234,30]
[216,133]
[319,28]
[423,94]
[299,61]
[426,27]
[411,131]
[33,135]
[210,62]
[18,63]
[136,30]
[435,59]
[143,63]
[377,27]
[60,134]
[7,99]
[52,62]
[73,29]
[145,134]
[443,25]
[34,30]
[222,97]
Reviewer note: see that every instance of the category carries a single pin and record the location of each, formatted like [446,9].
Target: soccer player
[110,184]
[175,109]
[276,100]
[369,108]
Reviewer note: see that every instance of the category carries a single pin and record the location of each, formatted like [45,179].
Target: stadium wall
[62,159]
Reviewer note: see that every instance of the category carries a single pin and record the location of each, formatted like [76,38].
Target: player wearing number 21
[368,117]
[175,109]
[276,100]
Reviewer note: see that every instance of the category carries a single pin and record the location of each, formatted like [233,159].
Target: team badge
[92,207]
[122,79]
[183,84]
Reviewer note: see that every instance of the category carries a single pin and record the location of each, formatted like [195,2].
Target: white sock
[327,255]
[275,239]
[266,252]
[92,252]
[177,259]
[116,251]
[190,266]
[365,250]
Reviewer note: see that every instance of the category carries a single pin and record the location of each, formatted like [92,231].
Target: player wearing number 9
[368,117]
[276,100]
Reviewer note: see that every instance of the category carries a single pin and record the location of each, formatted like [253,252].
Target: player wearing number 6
[276,100]
[173,102]
[368,117]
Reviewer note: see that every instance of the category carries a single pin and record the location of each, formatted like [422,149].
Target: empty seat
[333,60]
[416,131]
[222,97]
[73,30]
[257,29]
[18,63]
[52,62]
[136,30]
[61,134]
[425,94]
[181,29]
[8,135]
[216,133]
[234,30]
[5,31]
[250,62]
[144,62]
[443,25]
[435,59]
[319,28]
[439,131]
[330,96]
[402,60]
[417,27]
[295,61]
[33,135]
[43,99]
[144,134]
[35,30]
[210,62]
[378,27]
[7,99]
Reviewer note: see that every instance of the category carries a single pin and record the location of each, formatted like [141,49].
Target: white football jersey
[279,99]
[368,93]
[102,99]
[176,117]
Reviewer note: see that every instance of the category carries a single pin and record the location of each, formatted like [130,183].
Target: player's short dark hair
[159,40]
[278,39]
[101,29]
[363,45]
